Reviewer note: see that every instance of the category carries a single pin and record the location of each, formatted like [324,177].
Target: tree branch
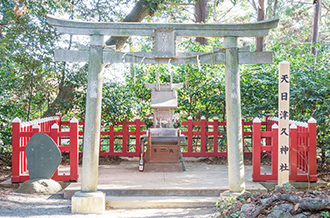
[141,10]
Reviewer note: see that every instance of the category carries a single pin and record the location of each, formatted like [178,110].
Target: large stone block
[88,202]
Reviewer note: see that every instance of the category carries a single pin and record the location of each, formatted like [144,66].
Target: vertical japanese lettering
[284,149]
[285,78]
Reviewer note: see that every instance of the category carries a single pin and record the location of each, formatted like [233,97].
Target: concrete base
[139,202]
[163,167]
[227,194]
[88,202]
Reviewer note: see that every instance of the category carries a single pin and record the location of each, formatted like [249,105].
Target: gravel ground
[14,204]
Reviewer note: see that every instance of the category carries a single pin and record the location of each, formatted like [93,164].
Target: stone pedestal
[88,202]
[163,167]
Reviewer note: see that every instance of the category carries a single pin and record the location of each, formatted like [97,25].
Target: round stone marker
[43,156]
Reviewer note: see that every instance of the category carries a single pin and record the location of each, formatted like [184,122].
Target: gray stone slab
[43,156]
[66,26]
[137,202]
[199,179]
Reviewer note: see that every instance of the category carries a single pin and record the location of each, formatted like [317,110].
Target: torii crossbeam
[164,49]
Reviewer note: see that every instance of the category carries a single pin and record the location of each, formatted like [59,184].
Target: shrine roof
[163,99]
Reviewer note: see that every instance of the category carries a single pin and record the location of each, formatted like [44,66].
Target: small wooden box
[163,153]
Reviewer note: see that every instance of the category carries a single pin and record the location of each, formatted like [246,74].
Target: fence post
[306,143]
[215,134]
[274,140]
[24,141]
[74,150]
[293,149]
[54,136]
[312,149]
[16,124]
[243,130]
[299,153]
[137,134]
[256,138]
[54,133]
[124,125]
[59,123]
[268,129]
[190,135]
[111,140]
[203,135]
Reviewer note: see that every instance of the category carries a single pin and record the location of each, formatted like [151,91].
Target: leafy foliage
[121,103]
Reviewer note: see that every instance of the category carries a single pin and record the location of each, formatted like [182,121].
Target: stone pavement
[199,186]
[126,188]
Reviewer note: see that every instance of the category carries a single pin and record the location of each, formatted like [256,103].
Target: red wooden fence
[22,132]
[199,139]
[128,129]
[125,139]
[302,150]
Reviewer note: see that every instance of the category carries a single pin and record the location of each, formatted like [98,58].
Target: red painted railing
[124,140]
[127,149]
[22,132]
[118,141]
[203,143]
[53,126]
[302,150]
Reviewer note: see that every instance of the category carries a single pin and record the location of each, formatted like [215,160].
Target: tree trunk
[274,8]
[64,99]
[261,17]
[65,95]
[141,9]
[201,14]
[315,27]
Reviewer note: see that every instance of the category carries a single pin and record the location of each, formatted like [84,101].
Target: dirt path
[25,205]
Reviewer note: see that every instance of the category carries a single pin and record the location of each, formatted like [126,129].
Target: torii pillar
[233,120]
[89,200]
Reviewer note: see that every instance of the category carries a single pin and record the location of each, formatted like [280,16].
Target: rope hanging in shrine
[197,56]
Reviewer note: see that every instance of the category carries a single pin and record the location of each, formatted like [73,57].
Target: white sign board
[283,113]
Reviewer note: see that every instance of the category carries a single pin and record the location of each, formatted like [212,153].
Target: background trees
[32,85]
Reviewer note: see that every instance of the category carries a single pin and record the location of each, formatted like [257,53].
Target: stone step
[69,192]
[143,202]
